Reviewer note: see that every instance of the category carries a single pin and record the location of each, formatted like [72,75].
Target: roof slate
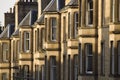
[73,3]
[7,31]
[29,19]
[51,6]
[16,33]
[41,19]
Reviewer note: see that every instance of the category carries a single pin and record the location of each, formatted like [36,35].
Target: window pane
[69,27]
[43,72]
[89,58]
[112,58]
[90,12]
[27,35]
[27,41]
[75,25]
[27,44]
[37,72]
[64,67]
[89,65]
[113,10]
[119,10]
[53,28]
[119,57]
[102,57]
[80,54]
[75,67]
[5,52]
[53,68]
[4,76]
[69,68]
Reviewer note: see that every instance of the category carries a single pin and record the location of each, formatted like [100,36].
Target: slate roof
[7,31]
[41,19]
[29,19]
[73,3]
[54,5]
[51,6]
[16,33]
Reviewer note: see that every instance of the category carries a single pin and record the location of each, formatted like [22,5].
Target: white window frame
[53,28]
[88,11]
[25,40]
[87,46]
[75,24]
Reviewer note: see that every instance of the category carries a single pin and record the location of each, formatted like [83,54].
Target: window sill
[27,51]
[114,75]
[111,23]
[52,42]
[102,74]
[5,61]
[87,27]
[86,74]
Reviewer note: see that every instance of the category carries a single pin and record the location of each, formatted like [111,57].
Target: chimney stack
[10,10]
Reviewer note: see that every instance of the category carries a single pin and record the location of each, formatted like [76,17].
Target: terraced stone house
[61,40]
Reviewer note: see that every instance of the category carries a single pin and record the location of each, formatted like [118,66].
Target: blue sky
[5,5]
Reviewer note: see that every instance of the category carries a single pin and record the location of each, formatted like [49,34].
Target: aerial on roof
[29,19]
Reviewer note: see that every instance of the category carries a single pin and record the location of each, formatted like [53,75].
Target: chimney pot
[10,10]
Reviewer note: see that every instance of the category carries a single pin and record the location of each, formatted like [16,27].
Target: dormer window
[53,29]
[89,13]
[27,42]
